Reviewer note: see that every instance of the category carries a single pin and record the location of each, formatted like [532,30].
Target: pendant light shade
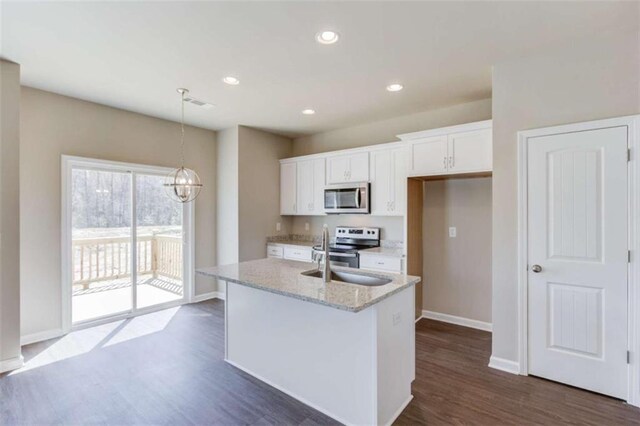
[182,184]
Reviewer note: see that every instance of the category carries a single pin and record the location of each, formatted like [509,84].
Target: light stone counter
[284,277]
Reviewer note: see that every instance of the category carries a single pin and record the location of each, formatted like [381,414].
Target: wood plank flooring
[167,368]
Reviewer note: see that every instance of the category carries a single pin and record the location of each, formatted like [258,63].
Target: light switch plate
[306,226]
[452,232]
[278,227]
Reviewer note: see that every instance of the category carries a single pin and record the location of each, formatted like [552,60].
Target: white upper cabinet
[388,181]
[310,187]
[348,168]
[429,156]
[288,188]
[466,148]
[470,151]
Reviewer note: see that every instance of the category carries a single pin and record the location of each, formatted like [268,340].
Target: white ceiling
[134,55]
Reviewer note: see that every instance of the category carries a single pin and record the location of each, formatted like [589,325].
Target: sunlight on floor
[94,338]
[95,304]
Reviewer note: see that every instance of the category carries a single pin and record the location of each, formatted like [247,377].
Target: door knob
[536,268]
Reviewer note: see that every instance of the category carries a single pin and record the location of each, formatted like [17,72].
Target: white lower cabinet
[275,251]
[298,253]
[374,262]
[290,252]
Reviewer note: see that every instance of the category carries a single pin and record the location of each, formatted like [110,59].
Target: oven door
[347,199]
[349,260]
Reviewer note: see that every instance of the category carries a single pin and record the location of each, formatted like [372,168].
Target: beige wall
[375,133]
[249,192]
[259,177]
[9,214]
[457,271]
[52,125]
[585,80]
[386,130]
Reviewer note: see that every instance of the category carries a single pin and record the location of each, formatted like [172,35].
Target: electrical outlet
[452,232]
[397,318]
[306,226]
[278,227]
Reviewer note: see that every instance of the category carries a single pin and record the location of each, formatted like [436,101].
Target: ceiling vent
[198,102]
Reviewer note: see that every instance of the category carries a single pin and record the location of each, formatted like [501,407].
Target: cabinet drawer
[274,251]
[382,263]
[303,254]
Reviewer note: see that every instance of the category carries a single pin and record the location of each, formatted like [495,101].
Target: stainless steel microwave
[347,198]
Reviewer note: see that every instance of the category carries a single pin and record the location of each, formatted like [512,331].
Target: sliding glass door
[159,234]
[126,241]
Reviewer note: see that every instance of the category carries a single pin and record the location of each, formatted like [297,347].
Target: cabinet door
[429,156]
[310,176]
[318,186]
[305,187]
[470,151]
[398,185]
[358,167]
[337,169]
[288,188]
[382,184]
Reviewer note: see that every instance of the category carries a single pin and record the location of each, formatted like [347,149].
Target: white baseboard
[207,296]
[40,336]
[11,364]
[452,319]
[400,410]
[502,364]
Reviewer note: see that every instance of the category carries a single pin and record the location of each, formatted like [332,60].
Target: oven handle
[335,254]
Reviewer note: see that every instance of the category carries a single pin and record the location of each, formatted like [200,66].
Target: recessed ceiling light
[395,87]
[231,80]
[308,111]
[327,37]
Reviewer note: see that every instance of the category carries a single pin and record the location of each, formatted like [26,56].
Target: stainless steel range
[344,251]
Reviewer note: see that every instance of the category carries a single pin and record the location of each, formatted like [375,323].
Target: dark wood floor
[167,368]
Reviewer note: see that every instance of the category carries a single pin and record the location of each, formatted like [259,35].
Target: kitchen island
[346,350]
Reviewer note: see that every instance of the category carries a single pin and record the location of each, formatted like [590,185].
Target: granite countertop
[383,251]
[291,243]
[284,277]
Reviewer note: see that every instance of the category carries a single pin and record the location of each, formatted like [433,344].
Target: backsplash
[317,239]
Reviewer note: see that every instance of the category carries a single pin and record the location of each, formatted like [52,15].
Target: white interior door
[578,255]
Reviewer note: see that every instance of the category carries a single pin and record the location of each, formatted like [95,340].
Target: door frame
[68,162]
[633,125]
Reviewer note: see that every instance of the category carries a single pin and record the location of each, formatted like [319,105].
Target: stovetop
[352,239]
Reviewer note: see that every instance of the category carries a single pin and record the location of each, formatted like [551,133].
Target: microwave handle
[357,198]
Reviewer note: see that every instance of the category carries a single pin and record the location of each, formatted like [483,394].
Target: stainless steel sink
[350,277]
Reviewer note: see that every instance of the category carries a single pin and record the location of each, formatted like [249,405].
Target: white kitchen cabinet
[388,181]
[429,156]
[348,168]
[274,251]
[467,148]
[304,254]
[288,188]
[374,262]
[310,187]
[470,151]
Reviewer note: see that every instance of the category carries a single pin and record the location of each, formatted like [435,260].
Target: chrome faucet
[326,270]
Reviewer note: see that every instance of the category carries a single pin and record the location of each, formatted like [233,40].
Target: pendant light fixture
[182,184]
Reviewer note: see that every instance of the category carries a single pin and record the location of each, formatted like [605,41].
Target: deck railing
[109,258]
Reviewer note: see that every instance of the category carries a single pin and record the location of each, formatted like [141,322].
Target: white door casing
[578,235]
